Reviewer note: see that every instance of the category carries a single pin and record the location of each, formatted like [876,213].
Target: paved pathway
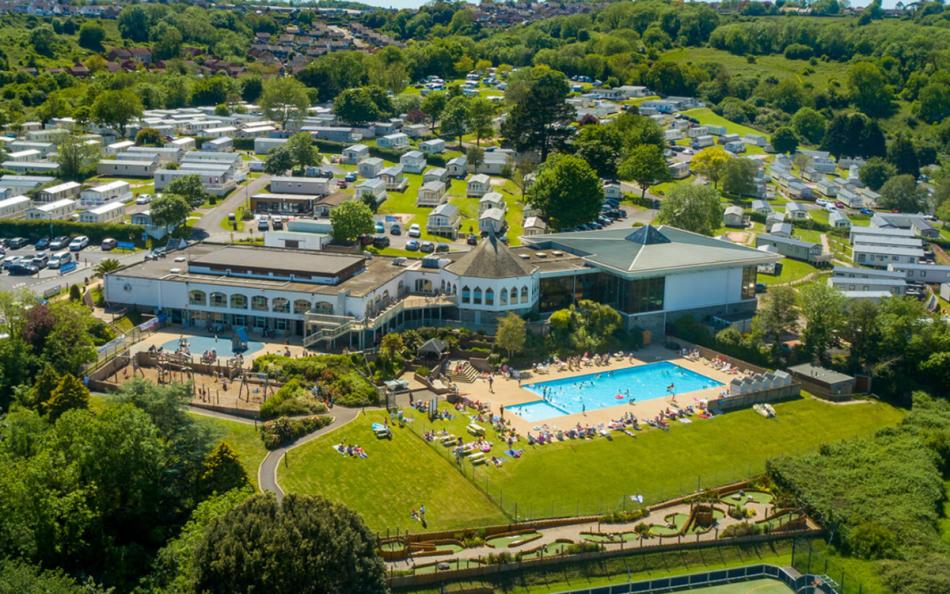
[210,222]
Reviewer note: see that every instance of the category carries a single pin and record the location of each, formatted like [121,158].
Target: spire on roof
[647,235]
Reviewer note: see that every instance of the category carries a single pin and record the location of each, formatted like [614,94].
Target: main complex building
[649,274]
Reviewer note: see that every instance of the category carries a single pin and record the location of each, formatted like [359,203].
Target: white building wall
[703,289]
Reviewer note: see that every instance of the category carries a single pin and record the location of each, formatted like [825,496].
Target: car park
[414,230]
[381,241]
[379,227]
[23,269]
[108,244]
[395,229]
[40,260]
[17,243]
[41,243]
[427,247]
[58,243]
[412,245]
[78,243]
[442,247]
[10,261]
[58,259]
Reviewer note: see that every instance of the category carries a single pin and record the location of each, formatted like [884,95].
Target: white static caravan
[118,190]
[12,208]
[58,192]
[127,168]
[105,213]
[59,210]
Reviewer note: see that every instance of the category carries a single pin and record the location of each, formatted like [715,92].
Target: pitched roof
[490,259]
[649,249]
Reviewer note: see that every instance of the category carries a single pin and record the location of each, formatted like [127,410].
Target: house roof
[652,249]
[490,259]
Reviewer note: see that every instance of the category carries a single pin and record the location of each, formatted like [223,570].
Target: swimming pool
[593,391]
[199,344]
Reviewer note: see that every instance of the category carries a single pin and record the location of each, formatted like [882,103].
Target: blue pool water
[599,390]
[199,344]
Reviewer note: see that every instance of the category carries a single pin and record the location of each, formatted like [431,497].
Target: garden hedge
[36,229]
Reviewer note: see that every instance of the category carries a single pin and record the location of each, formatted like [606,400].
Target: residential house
[496,162]
[58,210]
[263,146]
[314,186]
[796,212]
[14,207]
[839,220]
[144,219]
[761,207]
[355,154]
[221,144]
[880,256]
[534,226]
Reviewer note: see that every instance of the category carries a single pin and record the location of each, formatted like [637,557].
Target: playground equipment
[254,387]
[174,368]
[239,340]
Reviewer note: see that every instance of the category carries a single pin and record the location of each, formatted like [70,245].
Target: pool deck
[507,392]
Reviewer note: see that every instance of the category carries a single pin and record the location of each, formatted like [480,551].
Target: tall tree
[511,334]
[738,177]
[902,193]
[869,89]
[693,208]
[646,165]
[777,316]
[68,394]
[854,135]
[279,161]
[875,172]
[116,108]
[169,211]
[433,105]
[91,36]
[823,309]
[189,187]
[481,114]
[902,154]
[539,112]
[710,163]
[475,156]
[350,220]
[300,544]
[355,106]
[455,118]
[222,470]
[809,125]
[77,160]
[284,99]
[863,333]
[302,151]
[566,191]
[636,129]
[601,146]
[784,140]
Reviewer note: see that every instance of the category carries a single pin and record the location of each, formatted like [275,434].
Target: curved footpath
[267,471]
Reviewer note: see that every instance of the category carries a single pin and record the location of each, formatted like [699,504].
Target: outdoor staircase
[461,372]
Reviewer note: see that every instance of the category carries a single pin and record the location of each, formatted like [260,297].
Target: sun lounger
[449,440]
[478,458]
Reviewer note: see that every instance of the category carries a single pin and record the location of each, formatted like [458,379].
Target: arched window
[503,296]
[281,305]
[477,296]
[218,299]
[514,296]
[259,303]
[196,297]
[466,294]
[301,306]
[324,308]
[489,296]
[238,301]
[524,294]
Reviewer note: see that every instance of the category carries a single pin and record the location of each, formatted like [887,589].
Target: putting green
[763,586]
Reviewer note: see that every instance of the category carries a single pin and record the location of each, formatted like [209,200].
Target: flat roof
[109,186]
[821,374]
[887,249]
[270,196]
[317,264]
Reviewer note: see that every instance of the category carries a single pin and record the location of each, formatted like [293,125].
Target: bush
[282,431]
[335,375]
[740,529]
[624,516]
[291,399]
[798,51]
[582,547]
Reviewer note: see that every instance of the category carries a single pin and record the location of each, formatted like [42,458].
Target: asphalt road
[209,225]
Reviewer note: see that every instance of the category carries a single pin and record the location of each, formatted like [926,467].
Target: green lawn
[707,117]
[576,476]
[242,437]
[773,65]
[399,475]
[791,270]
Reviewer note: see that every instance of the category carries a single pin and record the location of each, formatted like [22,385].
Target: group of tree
[585,326]
[297,153]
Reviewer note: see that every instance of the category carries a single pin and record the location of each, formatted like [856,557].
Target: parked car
[381,241]
[143,199]
[278,223]
[472,240]
[427,247]
[17,243]
[867,212]
[412,245]
[841,204]
[156,253]
[40,260]
[414,230]
[395,229]
[262,224]
[341,183]
[41,243]
[442,247]
[351,177]
[78,243]
[23,269]
[379,227]
[10,261]
[58,259]
[822,202]
[58,243]
[108,244]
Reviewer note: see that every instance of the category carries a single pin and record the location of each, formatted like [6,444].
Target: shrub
[290,400]
[283,431]
[798,51]
[624,516]
[336,376]
[582,547]
[741,529]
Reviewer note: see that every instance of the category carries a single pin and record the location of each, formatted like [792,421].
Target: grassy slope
[399,475]
[242,437]
[664,464]
[772,65]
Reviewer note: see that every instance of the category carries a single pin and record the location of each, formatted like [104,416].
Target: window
[489,296]
[324,308]
[259,303]
[644,295]
[281,305]
[301,306]
[748,282]
[477,296]
[197,298]
[503,297]
[260,322]
[524,294]
[219,300]
[238,301]
[466,294]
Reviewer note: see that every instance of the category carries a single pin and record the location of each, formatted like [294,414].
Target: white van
[59,258]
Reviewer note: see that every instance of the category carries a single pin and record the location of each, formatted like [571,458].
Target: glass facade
[748,282]
[632,297]
[642,295]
